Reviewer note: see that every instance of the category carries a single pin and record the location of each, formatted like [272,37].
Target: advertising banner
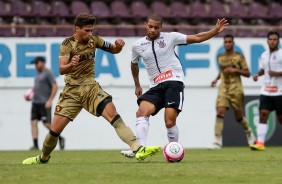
[199,61]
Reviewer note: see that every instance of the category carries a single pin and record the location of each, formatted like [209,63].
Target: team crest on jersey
[58,108]
[274,57]
[91,45]
[233,60]
[161,44]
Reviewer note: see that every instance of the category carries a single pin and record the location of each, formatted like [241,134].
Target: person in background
[44,91]
[271,90]
[232,66]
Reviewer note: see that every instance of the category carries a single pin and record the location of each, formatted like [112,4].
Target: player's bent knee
[170,124]
[142,113]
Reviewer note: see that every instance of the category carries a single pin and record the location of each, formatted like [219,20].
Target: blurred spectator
[45,88]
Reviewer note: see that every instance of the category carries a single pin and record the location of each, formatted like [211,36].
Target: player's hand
[138,91]
[213,83]
[230,70]
[255,77]
[119,43]
[273,73]
[221,25]
[74,60]
[48,104]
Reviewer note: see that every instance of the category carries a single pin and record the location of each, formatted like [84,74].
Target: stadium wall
[196,122]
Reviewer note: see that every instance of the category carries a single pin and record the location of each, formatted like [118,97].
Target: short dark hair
[229,36]
[273,33]
[155,17]
[84,19]
[38,59]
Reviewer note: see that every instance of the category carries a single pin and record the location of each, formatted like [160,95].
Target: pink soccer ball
[173,152]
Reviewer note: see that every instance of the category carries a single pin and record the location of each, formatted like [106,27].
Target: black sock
[35,143]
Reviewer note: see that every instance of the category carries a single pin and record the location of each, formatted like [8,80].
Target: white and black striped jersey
[159,58]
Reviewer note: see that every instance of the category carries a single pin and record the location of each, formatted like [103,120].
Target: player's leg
[98,102]
[110,114]
[47,124]
[278,107]
[35,116]
[222,103]
[245,125]
[125,134]
[237,103]
[50,142]
[265,107]
[66,110]
[149,104]
[218,127]
[174,97]
[170,122]
[34,132]
[261,130]
[51,139]
[142,125]
[143,113]
[102,105]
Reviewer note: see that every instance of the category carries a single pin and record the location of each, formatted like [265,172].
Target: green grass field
[201,166]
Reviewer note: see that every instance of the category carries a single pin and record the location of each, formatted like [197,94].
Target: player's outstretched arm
[220,26]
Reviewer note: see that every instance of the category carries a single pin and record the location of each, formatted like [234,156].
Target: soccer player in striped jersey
[165,74]
[271,90]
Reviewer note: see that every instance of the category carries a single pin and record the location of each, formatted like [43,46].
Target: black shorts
[271,103]
[166,94]
[40,113]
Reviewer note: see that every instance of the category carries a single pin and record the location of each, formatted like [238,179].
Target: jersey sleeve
[260,63]
[65,49]
[51,77]
[244,65]
[178,38]
[134,55]
[102,44]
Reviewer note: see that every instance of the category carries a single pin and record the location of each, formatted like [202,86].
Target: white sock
[172,134]
[261,132]
[142,128]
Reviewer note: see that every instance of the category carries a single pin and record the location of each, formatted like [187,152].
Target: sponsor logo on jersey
[163,76]
[145,43]
[271,89]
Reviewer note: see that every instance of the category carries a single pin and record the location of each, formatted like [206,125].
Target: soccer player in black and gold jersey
[81,90]
[230,92]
